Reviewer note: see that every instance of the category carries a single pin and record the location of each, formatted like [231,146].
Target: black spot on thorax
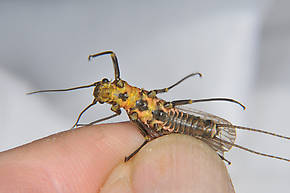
[142,105]
[123,96]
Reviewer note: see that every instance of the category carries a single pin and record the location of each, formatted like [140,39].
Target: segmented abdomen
[184,123]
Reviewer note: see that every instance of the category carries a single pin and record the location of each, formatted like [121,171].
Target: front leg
[99,120]
[114,108]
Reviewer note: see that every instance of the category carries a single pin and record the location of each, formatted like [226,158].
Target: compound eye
[105,80]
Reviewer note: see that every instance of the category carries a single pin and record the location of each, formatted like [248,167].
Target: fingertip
[75,161]
[177,163]
[172,163]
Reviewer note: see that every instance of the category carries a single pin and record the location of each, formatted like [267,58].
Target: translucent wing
[225,133]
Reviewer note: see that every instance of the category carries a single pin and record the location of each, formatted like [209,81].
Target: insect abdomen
[184,123]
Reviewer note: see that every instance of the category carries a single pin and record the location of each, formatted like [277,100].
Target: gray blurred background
[241,47]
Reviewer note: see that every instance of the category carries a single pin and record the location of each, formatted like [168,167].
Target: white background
[241,47]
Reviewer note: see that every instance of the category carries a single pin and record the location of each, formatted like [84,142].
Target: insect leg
[224,159]
[141,128]
[136,151]
[189,101]
[146,131]
[158,91]
[115,108]
[89,106]
[147,136]
[114,59]
[99,120]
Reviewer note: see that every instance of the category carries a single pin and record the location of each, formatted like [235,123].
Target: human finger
[74,161]
[172,163]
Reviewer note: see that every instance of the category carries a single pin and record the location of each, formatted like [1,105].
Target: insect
[155,117]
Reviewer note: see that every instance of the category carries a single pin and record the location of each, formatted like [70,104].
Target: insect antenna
[255,130]
[62,90]
[252,151]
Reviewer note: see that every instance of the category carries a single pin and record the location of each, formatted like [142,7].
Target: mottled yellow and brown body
[156,117]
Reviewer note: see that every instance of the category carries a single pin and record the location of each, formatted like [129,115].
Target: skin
[90,160]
